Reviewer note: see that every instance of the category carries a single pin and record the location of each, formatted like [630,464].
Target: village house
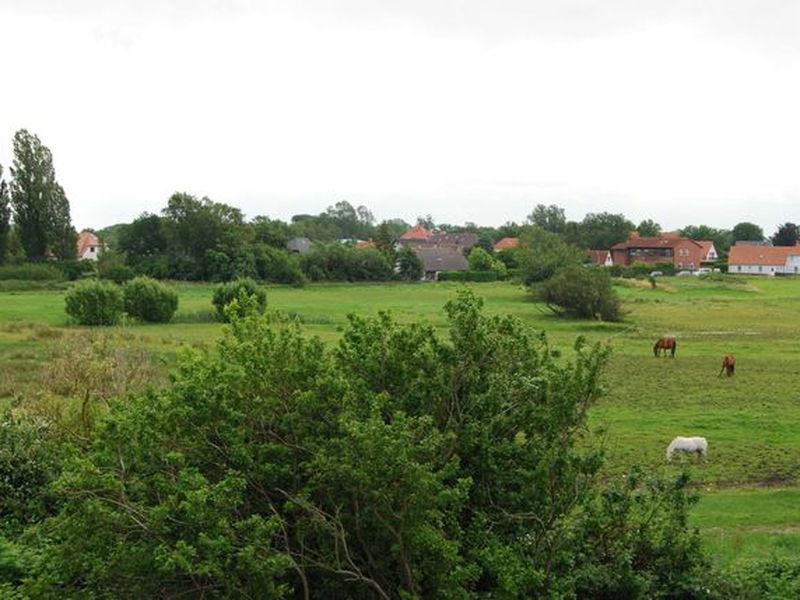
[764,260]
[300,245]
[89,245]
[421,236]
[682,252]
[710,253]
[436,259]
[506,243]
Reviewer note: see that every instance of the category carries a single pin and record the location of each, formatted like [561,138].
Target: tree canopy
[787,234]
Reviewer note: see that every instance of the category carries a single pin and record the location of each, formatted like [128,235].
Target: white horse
[689,445]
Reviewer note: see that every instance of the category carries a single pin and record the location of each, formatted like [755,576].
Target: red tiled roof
[368,244]
[85,240]
[652,242]
[507,242]
[416,233]
[761,255]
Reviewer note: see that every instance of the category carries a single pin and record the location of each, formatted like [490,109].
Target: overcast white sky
[684,111]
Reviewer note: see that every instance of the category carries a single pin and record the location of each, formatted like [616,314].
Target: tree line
[202,239]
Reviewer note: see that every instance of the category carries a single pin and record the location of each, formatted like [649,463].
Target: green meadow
[749,505]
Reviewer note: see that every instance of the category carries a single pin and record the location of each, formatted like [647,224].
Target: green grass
[750,420]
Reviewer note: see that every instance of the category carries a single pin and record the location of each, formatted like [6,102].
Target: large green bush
[150,300]
[240,290]
[93,302]
[582,292]
[400,463]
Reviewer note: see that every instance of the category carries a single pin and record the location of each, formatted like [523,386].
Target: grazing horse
[728,365]
[689,445]
[665,343]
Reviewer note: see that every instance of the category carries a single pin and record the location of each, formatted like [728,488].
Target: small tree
[787,234]
[409,265]
[541,254]
[94,303]
[5,218]
[582,292]
[226,293]
[150,300]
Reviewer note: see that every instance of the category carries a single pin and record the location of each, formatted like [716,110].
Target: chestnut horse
[665,343]
[728,365]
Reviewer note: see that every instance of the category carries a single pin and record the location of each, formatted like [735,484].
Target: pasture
[749,506]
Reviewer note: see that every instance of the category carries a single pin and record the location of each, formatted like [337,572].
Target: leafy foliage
[481,260]
[340,262]
[787,234]
[409,265]
[541,253]
[600,231]
[150,300]
[747,232]
[40,206]
[238,289]
[397,464]
[581,292]
[92,302]
[648,228]
[5,218]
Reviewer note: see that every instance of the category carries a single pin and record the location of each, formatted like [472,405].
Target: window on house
[760,268]
[91,248]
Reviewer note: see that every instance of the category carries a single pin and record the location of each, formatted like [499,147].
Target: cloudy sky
[684,111]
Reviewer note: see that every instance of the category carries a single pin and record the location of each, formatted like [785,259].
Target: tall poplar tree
[40,207]
[5,218]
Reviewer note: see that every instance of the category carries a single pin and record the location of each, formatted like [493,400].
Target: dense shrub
[238,289]
[92,302]
[481,260]
[150,300]
[476,276]
[400,463]
[277,265]
[581,292]
[541,254]
[409,265]
[339,262]
[31,272]
[110,266]
[76,269]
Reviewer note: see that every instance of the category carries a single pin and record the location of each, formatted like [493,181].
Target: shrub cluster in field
[93,302]
[234,297]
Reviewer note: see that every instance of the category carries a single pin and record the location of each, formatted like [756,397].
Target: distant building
[710,253]
[682,252]
[420,236]
[365,244]
[753,243]
[764,260]
[89,245]
[506,243]
[301,245]
[438,259]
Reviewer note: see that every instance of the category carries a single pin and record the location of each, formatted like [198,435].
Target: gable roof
[87,239]
[507,242]
[707,245]
[761,255]
[416,233]
[439,258]
[653,242]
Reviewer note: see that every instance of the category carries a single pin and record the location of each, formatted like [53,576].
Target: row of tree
[36,204]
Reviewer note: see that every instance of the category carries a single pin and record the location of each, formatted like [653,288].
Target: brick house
[682,252]
[600,257]
[419,236]
[506,243]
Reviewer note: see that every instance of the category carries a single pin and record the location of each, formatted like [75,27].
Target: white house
[89,246]
[764,260]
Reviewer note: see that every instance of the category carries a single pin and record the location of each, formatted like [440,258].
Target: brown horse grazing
[728,365]
[665,343]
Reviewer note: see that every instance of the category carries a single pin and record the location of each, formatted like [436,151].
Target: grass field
[749,506]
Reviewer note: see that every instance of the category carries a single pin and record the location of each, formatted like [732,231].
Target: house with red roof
[506,243]
[764,260]
[682,252]
[89,245]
